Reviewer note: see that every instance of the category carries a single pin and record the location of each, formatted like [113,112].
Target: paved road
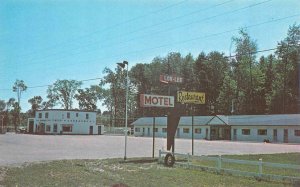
[20,148]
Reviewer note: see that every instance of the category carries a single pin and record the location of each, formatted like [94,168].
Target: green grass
[135,172]
[284,158]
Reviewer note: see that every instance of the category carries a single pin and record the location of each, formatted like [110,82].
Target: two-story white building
[58,121]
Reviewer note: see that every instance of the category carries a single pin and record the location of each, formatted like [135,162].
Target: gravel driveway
[20,148]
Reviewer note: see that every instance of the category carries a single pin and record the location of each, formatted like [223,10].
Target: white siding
[80,124]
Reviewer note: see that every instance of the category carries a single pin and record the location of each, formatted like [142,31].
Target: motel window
[86,116]
[67,128]
[262,131]
[198,131]
[186,130]
[245,131]
[48,128]
[76,114]
[68,115]
[164,130]
[40,115]
[55,127]
[137,129]
[46,115]
[297,132]
[155,129]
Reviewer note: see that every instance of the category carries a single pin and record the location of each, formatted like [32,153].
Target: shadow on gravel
[139,161]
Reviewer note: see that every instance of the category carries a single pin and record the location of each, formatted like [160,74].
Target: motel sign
[147,100]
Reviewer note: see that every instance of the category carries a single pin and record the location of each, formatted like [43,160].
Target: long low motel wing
[274,128]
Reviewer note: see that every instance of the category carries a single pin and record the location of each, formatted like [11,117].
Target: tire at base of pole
[169,160]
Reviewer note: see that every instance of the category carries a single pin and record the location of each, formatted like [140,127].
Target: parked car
[22,130]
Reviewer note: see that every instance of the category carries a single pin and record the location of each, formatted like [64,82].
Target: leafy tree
[141,83]
[36,104]
[62,92]
[243,72]
[114,96]
[47,104]
[88,98]
[225,102]
[216,66]
[285,87]
[2,105]
[15,112]
[19,87]
[2,113]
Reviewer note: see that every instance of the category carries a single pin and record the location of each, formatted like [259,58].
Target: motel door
[275,135]
[285,136]
[234,134]
[91,129]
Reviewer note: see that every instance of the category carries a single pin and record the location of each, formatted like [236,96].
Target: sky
[49,40]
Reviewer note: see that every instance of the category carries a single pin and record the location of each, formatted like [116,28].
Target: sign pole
[153,134]
[193,134]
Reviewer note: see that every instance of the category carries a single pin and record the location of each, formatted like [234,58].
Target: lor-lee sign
[147,100]
[170,78]
[191,97]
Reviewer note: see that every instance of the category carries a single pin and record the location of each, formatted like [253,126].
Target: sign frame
[149,100]
[186,97]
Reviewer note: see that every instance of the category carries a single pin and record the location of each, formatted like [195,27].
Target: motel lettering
[147,100]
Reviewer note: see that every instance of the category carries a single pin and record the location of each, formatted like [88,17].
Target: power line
[172,28]
[46,85]
[86,80]
[129,33]
[212,35]
[107,28]
[198,38]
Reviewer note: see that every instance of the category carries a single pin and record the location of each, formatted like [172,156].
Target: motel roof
[266,120]
[235,120]
[69,110]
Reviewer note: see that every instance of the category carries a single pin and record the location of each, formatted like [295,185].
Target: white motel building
[274,128]
[57,121]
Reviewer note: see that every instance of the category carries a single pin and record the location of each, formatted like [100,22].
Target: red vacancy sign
[147,100]
[170,78]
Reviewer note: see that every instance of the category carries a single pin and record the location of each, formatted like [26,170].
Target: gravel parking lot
[20,148]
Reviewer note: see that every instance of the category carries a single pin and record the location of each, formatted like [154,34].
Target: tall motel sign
[176,108]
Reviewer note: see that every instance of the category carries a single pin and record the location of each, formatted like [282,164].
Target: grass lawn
[134,172]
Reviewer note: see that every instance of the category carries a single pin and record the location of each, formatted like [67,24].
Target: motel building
[57,121]
[273,128]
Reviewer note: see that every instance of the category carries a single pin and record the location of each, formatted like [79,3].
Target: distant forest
[246,82]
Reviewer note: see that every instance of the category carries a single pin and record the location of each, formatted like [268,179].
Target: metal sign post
[153,139]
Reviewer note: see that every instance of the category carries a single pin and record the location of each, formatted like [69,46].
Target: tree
[114,96]
[285,87]
[19,87]
[225,102]
[216,66]
[36,104]
[62,92]
[88,98]
[15,112]
[2,113]
[2,105]
[243,72]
